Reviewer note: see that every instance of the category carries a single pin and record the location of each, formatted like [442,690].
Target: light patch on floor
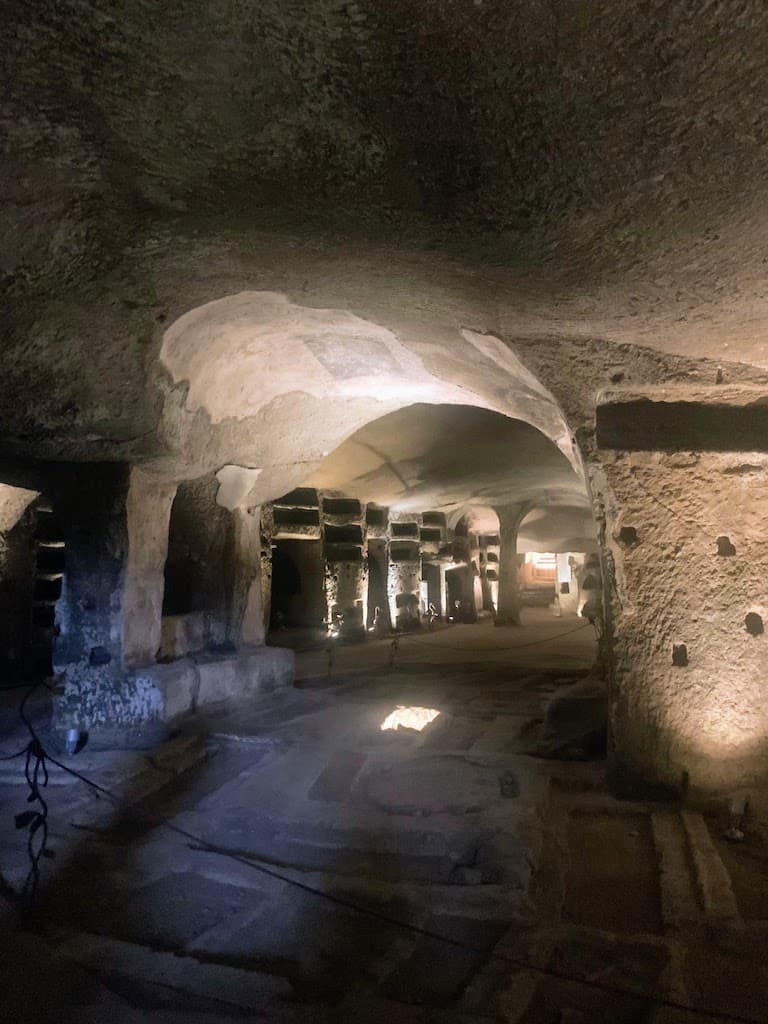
[409,718]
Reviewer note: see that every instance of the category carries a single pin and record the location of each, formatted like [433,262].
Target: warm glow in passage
[409,718]
[541,559]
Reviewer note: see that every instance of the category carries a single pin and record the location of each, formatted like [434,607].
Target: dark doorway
[454,589]
[286,585]
[430,574]
[377,584]
[298,584]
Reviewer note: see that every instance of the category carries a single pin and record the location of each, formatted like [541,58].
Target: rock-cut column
[508,611]
[680,501]
[248,616]
[115,523]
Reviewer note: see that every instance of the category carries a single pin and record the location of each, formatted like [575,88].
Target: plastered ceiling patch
[235,483]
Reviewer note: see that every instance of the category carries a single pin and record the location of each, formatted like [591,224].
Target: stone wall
[17,582]
[200,558]
[88,653]
[403,589]
[685,539]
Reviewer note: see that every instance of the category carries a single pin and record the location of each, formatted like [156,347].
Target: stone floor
[317,868]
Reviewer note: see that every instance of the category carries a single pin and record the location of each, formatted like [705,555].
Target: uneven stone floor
[361,875]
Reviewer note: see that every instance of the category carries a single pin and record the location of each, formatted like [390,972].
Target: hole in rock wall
[298,584]
[296,516]
[343,535]
[404,552]
[376,516]
[679,655]
[433,519]
[627,536]
[377,585]
[99,656]
[342,507]
[405,529]
[754,624]
[724,547]
[300,497]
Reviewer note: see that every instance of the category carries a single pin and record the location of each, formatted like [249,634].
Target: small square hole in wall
[724,547]
[754,624]
[627,536]
[679,655]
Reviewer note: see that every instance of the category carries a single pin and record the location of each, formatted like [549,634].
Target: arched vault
[262,383]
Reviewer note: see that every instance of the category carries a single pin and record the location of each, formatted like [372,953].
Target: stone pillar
[88,659]
[266,533]
[404,574]
[17,574]
[485,583]
[508,611]
[247,621]
[345,549]
[148,510]
[492,570]
[476,602]
[404,589]
[685,563]
[443,606]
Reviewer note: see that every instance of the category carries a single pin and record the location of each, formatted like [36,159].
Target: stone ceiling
[446,457]
[550,172]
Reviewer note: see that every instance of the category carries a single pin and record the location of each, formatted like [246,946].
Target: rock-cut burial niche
[627,536]
[754,624]
[679,655]
[724,547]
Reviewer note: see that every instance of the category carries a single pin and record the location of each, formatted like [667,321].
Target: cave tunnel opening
[384,446]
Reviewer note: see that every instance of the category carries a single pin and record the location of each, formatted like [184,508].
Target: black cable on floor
[34,820]
[19,753]
[493,650]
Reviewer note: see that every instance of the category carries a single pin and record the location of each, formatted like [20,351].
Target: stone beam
[683,418]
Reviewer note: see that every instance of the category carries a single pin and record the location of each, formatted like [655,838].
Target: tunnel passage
[402,516]
[316,469]
[194,609]
[32,565]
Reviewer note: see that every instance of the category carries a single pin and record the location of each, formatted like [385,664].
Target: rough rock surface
[623,158]
[576,720]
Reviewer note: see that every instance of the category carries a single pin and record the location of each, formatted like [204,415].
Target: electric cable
[34,820]
[460,647]
[12,757]
[494,650]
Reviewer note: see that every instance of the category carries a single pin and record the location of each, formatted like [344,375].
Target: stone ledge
[250,671]
[148,700]
[189,683]
[683,418]
[251,991]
